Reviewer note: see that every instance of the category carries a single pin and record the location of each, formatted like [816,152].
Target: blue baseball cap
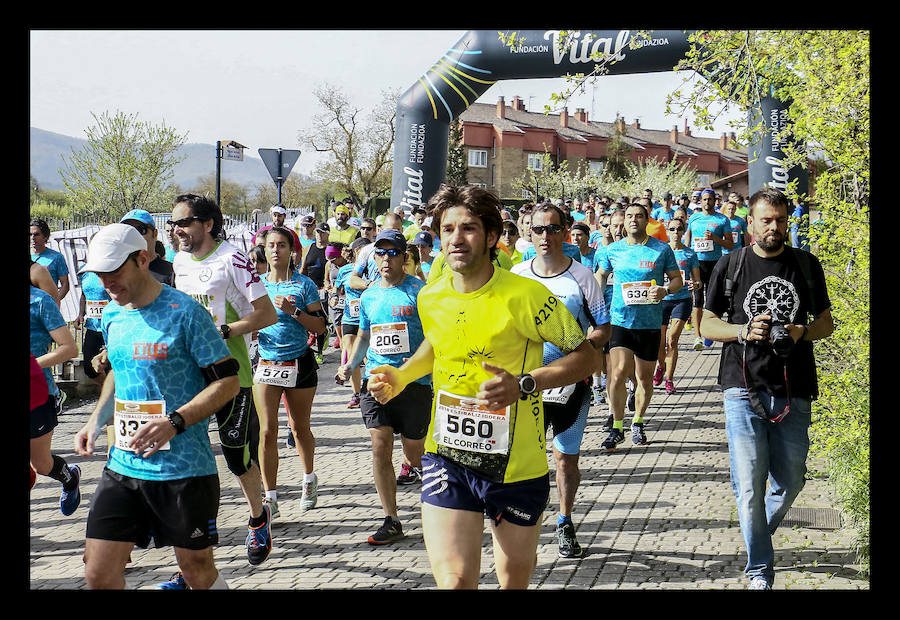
[141,216]
[394,236]
[423,238]
[707,191]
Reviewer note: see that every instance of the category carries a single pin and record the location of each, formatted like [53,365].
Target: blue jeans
[759,451]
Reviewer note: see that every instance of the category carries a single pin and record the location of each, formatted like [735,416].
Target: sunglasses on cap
[392,252]
[553,229]
[184,222]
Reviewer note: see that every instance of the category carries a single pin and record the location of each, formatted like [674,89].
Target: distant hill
[48,150]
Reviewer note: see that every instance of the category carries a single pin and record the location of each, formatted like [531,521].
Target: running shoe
[259,540]
[597,397]
[389,531]
[273,508]
[354,402]
[319,359]
[616,437]
[310,495]
[69,500]
[177,582]
[608,425]
[338,380]
[630,401]
[409,475]
[336,344]
[707,342]
[60,401]
[638,437]
[291,442]
[698,344]
[568,546]
[759,583]
[670,387]
[658,375]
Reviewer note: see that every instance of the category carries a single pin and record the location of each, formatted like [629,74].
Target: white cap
[278,209]
[111,247]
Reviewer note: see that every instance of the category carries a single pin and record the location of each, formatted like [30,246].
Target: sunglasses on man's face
[392,252]
[184,222]
[679,229]
[141,228]
[553,229]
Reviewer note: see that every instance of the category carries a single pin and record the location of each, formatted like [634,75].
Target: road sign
[231,153]
[279,162]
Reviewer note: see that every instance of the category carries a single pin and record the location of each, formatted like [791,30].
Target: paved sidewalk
[659,516]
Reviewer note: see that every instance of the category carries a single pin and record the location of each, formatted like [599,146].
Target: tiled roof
[519,121]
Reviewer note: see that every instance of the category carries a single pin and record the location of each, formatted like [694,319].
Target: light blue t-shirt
[589,260]
[93,291]
[391,316]
[351,295]
[699,223]
[687,260]
[156,353]
[44,317]
[662,215]
[637,263]
[54,262]
[286,339]
[578,291]
[738,228]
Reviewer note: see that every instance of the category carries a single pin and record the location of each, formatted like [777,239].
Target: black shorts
[90,347]
[408,413]
[706,269]
[350,329]
[44,418]
[644,343]
[180,513]
[676,309]
[307,372]
[562,417]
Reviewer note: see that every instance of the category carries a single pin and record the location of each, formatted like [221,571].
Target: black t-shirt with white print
[776,285]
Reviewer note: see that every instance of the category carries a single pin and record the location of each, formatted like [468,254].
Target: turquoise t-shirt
[391,316]
[698,224]
[637,263]
[738,228]
[54,262]
[156,353]
[93,291]
[569,249]
[44,317]
[351,295]
[287,339]
[687,260]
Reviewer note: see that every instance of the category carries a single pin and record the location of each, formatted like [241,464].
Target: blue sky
[255,87]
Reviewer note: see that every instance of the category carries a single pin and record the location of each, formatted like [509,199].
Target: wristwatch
[527,385]
[177,421]
[296,312]
[226,331]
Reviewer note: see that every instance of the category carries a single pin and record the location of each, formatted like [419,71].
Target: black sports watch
[226,331]
[296,312]
[177,421]
[527,385]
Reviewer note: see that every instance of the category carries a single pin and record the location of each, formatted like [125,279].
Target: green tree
[824,74]
[126,164]
[457,166]
[616,158]
[661,177]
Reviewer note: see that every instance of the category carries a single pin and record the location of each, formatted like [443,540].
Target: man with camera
[759,304]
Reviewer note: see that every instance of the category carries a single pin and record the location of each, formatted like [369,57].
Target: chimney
[564,117]
[637,123]
[581,115]
[518,104]
[620,124]
[723,141]
[673,135]
[501,108]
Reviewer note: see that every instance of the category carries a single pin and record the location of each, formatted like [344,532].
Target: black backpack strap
[735,263]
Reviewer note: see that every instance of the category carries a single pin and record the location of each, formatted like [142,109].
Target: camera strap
[753,396]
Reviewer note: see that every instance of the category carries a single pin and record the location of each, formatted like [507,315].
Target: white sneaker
[310,495]
[273,507]
[758,583]
[698,344]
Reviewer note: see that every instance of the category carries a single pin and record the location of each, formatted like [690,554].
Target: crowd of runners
[472,330]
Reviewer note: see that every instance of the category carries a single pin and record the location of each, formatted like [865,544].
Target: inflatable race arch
[480,59]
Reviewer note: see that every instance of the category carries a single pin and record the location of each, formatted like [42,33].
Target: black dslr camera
[780,339]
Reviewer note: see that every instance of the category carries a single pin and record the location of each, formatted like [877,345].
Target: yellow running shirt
[504,323]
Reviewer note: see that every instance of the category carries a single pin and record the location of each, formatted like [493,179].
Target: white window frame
[535,162]
[477,158]
[596,167]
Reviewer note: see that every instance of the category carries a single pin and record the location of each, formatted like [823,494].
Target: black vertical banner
[766,153]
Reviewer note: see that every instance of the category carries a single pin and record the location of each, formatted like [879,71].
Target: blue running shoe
[707,342]
[259,540]
[177,582]
[69,500]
